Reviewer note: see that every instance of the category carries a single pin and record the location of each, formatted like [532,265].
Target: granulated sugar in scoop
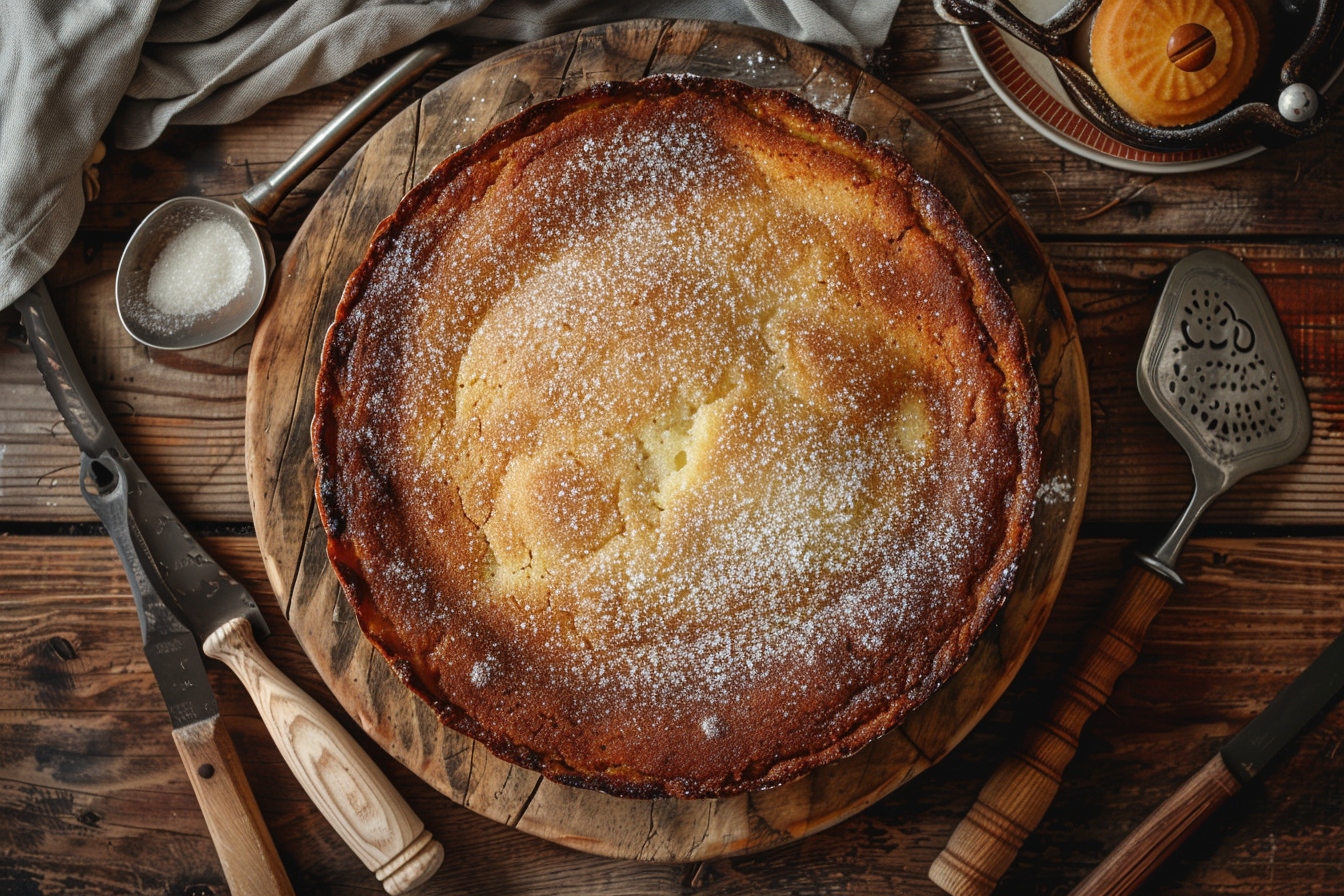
[200,269]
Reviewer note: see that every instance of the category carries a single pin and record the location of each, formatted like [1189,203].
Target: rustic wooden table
[95,799]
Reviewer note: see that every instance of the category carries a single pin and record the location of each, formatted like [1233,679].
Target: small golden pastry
[672,440]
[1174,63]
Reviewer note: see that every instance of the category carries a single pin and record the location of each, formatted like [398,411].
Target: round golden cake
[673,440]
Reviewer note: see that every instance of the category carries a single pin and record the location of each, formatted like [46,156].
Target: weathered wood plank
[186,422]
[222,161]
[97,801]
[187,431]
[95,793]
[77,736]
[1290,191]
[179,413]
[1139,473]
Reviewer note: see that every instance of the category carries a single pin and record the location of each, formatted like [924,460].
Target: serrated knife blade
[182,573]
[162,558]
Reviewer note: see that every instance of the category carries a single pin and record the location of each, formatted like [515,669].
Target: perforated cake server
[1216,371]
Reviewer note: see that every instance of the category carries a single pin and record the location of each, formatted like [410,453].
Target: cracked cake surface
[673,440]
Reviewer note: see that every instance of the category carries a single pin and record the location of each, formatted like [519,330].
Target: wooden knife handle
[1016,797]
[1156,838]
[251,864]
[339,777]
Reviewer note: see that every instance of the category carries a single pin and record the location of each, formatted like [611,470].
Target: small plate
[1025,80]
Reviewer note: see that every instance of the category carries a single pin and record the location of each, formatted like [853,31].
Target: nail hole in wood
[206,771]
[62,648]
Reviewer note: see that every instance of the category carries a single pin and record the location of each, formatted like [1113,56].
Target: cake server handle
[1015,798]
[351,791]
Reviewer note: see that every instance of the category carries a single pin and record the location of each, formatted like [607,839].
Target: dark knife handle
[1156,838]
[246,851]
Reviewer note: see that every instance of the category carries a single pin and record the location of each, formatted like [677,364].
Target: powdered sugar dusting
[648,443]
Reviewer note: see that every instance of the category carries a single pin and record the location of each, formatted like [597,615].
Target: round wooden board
[286,354]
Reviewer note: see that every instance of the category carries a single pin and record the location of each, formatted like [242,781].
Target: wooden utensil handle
[246,851]
[339,777]
[1016,797]
[1156,838]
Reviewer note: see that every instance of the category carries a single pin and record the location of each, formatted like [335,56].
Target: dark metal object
[173,563]
[175,582]
[1216,371]
[1289,712]
[1307,68]
[169,646]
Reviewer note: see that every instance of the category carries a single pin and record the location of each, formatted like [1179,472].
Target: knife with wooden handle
[246,851]
[1240,760]
[352,793]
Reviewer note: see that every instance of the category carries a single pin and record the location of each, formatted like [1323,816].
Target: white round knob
[1298,103]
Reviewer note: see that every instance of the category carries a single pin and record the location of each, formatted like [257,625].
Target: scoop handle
[1016,797]
[339,777]
[261,200]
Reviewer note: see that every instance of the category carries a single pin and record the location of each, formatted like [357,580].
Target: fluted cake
[1175,62]
[673,440]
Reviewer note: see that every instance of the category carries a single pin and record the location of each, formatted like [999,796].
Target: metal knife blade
[1287,714]
[163,559]
[169,646]
[173,562]
[246,851]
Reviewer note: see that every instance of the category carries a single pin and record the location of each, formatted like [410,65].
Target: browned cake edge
[1006,347]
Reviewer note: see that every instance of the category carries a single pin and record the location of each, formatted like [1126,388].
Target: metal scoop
[247,216]
[1216,371]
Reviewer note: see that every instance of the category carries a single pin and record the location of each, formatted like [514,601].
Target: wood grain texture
[1289,191]
[338,776]
[94,797]
[183,414]
[1140,473]
[246,852]
[286,355]
[96,800]
[1152,842]
[1018,794]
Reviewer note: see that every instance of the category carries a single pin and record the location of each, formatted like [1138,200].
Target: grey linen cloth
[66,67]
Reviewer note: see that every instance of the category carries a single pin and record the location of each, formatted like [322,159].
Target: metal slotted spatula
[1216,371]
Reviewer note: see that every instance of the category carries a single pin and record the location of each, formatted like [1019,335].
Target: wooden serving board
[286,354]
